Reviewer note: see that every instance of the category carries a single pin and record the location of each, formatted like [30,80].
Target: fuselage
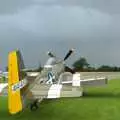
[52,70]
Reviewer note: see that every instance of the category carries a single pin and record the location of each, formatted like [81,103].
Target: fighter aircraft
[53,82]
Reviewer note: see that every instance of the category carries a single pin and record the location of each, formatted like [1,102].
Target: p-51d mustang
[53,82]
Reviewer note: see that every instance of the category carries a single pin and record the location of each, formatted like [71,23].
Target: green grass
[101,103]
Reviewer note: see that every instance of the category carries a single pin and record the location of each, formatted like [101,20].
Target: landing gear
[34,105]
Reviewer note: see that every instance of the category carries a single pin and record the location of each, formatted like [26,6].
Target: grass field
[101,103]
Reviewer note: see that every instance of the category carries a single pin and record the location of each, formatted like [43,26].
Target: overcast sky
[92,27]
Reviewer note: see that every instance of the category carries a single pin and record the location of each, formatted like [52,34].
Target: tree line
[82,65]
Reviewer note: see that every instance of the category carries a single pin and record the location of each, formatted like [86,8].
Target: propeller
[68,54]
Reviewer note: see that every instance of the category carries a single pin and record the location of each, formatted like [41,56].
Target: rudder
[15,82]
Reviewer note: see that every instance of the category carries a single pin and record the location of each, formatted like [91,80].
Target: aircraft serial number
[19,85]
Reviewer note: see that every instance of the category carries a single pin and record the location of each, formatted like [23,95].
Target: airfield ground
[98,103]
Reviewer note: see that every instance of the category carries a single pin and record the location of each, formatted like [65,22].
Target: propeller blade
[68,54]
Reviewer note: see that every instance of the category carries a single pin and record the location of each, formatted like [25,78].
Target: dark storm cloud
[36,26]
[12,6]
[110,6]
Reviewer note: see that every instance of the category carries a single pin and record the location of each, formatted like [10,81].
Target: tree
[107,68]
[104,68]
[80,64]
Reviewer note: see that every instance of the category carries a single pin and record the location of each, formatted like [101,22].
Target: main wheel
[34,105]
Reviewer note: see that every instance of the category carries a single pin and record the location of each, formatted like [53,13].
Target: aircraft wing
[87,82]
[55,91]
[71,88]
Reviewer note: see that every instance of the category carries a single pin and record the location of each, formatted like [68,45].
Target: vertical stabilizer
[15,82]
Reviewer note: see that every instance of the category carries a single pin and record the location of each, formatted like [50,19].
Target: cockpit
[51,61]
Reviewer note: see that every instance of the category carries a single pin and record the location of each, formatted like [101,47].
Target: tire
[34,106]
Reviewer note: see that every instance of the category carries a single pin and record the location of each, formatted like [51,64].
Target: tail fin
[16,84]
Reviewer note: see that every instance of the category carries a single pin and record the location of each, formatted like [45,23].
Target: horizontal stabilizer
[2,86]
[93,82]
